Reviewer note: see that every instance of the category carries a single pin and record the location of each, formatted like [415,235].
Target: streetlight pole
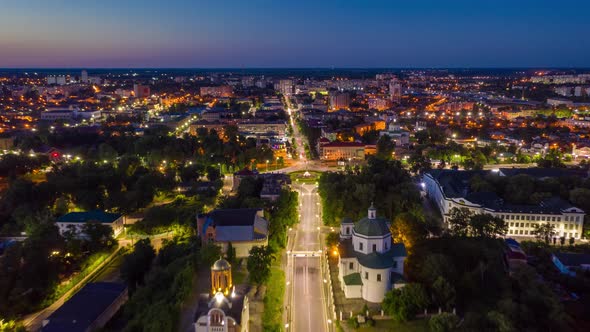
[267,166]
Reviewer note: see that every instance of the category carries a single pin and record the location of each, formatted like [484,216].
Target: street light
[267,166]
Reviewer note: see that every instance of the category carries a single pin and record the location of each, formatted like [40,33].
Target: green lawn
[297,177]
[273,300]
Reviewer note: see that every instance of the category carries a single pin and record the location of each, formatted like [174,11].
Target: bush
[444,322]
[353,323]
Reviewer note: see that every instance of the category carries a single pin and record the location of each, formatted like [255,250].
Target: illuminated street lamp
[267,165]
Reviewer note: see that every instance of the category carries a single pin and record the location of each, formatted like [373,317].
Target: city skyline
[262,34]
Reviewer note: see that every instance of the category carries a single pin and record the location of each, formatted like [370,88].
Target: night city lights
[313,166]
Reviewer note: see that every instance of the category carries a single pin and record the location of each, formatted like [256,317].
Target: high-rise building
[339,100]
[395,91]
[84,76]
[60,80]
[286,87]
[141,91]
[51,80]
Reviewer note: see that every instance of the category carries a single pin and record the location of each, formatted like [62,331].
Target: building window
[379,277]
[367,275]
[395,264]
[347,230]
[374,247]
[350,265]
[360,246]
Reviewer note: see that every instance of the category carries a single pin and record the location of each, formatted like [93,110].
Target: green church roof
[372,227]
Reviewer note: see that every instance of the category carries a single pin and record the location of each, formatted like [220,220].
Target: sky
[294,34]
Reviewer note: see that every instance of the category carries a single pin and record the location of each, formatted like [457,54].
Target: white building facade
[370,264]
[522,220]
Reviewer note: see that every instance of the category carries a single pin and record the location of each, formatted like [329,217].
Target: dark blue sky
[304,33]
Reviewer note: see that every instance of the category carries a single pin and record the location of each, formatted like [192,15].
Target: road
[306,300]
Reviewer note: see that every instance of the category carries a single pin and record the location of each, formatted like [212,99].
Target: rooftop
[82,217]
[372,227]
[80,311]
[373,260]
[573,259]
[234,217]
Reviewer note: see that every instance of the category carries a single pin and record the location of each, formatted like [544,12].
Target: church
[369,264]
[225,308]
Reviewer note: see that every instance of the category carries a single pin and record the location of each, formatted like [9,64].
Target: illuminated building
[227,308]
[369,263]
[339,100]
[217,91]
[395,91]
[141,91]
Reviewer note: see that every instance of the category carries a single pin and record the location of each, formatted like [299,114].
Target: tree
[404,304]
[259,264]
[545,232]
[213,173]
[487,225]
[445,322]
[519,189]
[459,221]
[137,264]
[106,152]
[443,293]
[99,236]
[580,197]
[231,253]
[407,230]
[332,240]
[385,147]
[436,265]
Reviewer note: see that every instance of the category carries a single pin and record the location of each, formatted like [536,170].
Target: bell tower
[372,212]
[221,281]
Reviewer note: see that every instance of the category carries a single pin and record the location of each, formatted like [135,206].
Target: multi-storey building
[450,189]
[339,100]
[340,150]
